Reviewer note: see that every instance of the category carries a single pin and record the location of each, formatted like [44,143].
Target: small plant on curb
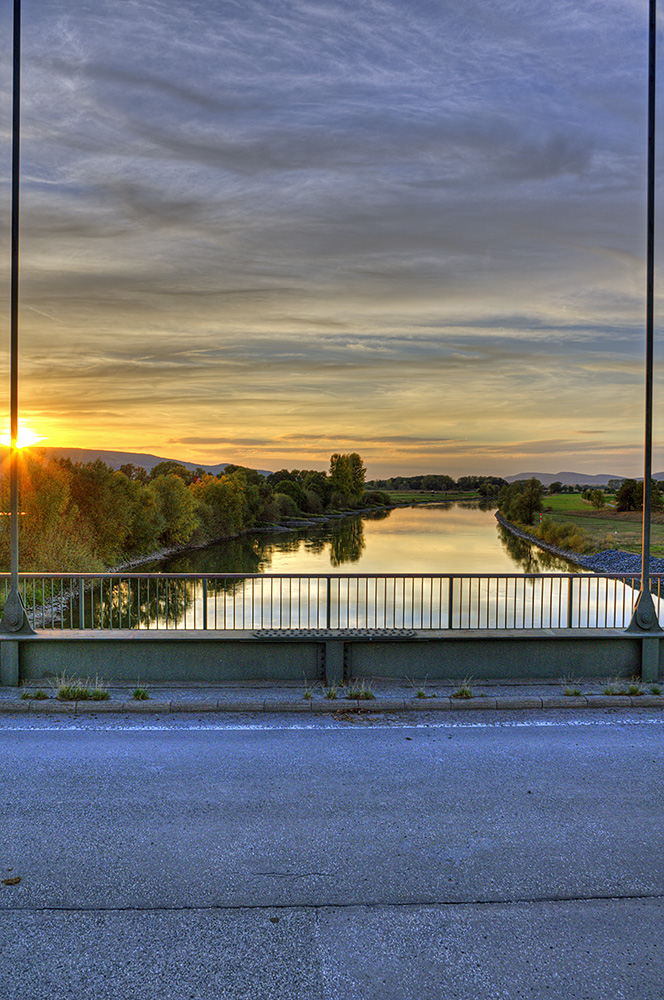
[38,695]
[635,690]
[75,689]
[421,693]
[331,693]
[655,689]
[360,692]
[141,694]
[308,695]
[464,691]
[570,692]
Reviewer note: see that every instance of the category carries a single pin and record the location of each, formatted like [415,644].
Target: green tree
[178,507]
[347,475]
[629,496]
[597,499]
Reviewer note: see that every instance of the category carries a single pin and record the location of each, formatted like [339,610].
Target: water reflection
[441,538]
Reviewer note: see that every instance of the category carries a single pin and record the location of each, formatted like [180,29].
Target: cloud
[377,223]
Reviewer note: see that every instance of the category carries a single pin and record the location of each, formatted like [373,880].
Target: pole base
[644,618]
[14,619]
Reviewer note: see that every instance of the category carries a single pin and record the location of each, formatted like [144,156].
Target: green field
[605,528]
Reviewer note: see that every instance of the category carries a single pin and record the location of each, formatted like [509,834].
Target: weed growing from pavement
[360,692]
[141,694]
[464,691]
[655,689]
[572,692]
[620,687]
[37,695]
[572,689]
[76,689]
[331,693]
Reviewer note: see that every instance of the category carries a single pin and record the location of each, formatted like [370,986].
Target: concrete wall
[154,657]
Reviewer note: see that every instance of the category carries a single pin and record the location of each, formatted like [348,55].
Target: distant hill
[115,459]
[568,478]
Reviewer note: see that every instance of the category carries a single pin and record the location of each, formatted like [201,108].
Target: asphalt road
[502,857]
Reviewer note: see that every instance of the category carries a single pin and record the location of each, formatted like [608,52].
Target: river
[441,538]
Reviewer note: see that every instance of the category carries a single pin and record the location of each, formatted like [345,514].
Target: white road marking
[67,726]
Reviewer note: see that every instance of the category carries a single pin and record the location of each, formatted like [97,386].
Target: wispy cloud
[245,219]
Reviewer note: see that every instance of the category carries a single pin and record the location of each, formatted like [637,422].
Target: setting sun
[25,438]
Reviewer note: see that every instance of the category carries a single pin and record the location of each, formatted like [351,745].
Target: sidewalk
[396,696]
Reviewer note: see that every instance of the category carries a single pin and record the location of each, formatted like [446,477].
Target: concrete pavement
[431,855]
[396,696]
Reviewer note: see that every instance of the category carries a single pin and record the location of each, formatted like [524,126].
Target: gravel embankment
[609,561]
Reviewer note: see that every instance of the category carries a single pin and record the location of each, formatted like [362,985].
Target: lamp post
[644,618]
[14,618]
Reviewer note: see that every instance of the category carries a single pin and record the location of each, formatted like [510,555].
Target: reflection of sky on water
[454,539]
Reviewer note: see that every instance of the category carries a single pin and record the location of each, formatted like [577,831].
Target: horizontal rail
[314,601]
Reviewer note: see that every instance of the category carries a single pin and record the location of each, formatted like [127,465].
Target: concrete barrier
[154,657]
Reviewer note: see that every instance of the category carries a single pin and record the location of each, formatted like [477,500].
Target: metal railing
[236,601]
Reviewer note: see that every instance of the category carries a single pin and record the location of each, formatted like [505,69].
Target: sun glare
[25,438]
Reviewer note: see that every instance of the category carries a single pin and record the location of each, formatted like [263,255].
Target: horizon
[419,238]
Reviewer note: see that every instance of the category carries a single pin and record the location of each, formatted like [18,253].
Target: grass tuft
[141,694]
[77,689]
[360,692]
[38,695]
[655,689]
[331,693]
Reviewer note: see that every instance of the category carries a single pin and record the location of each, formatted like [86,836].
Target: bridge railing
[237,601]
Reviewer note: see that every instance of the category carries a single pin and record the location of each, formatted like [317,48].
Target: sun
[26,437]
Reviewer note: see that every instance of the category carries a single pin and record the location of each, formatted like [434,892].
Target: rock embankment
[609,561]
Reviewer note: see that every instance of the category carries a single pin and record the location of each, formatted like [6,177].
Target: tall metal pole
[14,618]
[645,616]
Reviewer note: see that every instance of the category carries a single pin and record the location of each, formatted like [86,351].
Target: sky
[267,230]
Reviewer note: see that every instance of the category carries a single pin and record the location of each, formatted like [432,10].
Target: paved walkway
[362,696]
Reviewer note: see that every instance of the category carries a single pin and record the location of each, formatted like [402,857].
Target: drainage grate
[334,633]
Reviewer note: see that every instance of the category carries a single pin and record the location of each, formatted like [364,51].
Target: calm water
[455,538]
[314,581]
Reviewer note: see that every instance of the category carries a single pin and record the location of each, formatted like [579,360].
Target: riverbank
[607,561]
[315,521]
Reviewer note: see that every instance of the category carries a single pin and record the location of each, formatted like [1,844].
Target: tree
[629,496]
[347,474]
[556,487]
[597,499]
[178,507]
[522,500]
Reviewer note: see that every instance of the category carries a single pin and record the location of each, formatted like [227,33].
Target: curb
[343,706]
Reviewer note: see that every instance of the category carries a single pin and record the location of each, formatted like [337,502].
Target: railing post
[81,605]
[205,616]
[328,608]
[450,603]
[570,595]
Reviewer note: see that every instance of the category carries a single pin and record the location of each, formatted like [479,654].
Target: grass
[655,689]
[464,691]
[360,692]
[572,689]
[141,694]
[331,693]
[620,687]
[77,689]
[606,528]
[37,695]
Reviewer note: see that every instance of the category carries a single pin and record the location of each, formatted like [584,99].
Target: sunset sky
[259,231]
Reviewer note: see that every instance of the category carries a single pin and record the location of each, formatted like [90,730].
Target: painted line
[71,726]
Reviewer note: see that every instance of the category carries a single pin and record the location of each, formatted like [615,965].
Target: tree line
[88,516]
[433,483]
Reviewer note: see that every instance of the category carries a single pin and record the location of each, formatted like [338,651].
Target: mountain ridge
[115,459]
